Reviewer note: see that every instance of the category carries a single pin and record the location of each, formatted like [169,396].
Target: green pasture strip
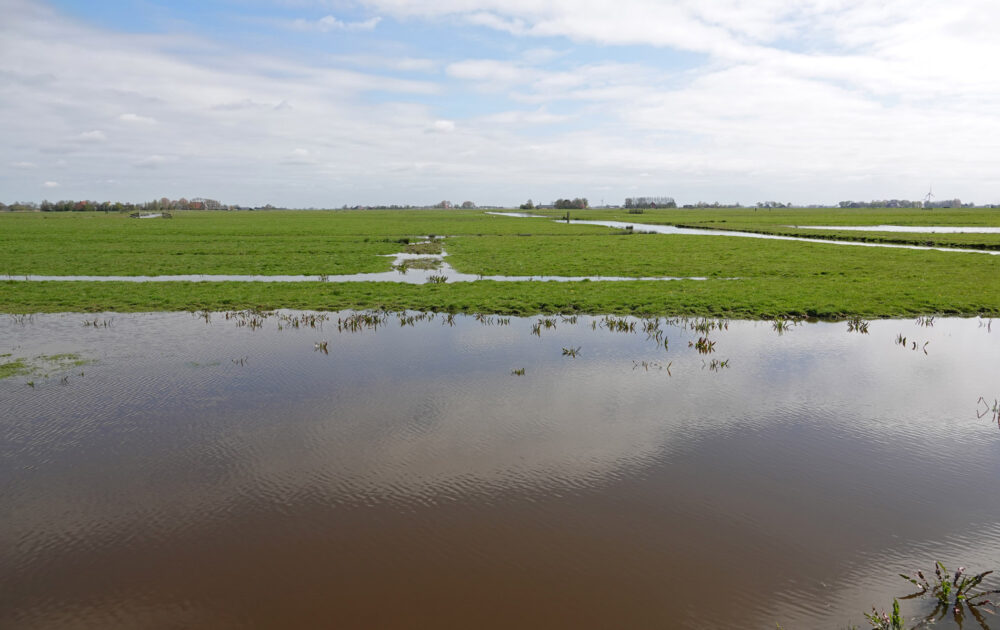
[655,255]
[141,256]
[281,242]
[757,297]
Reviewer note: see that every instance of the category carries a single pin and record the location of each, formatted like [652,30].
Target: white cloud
[399,63]
[299,157]
[92,136]
[520,117]
[330,23]
[442,126]
[135,118]
[154,161]
[24,165]
[50,185]
[491,70]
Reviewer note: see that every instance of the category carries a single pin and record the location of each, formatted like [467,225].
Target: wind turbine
[929,196]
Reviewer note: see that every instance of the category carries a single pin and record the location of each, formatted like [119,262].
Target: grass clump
[43,366]
[418,263]
[17,367]
[428,247]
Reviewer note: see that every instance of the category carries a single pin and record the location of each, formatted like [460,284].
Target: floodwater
[388,471]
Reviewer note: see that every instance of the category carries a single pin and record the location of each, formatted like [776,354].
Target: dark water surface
[208,474]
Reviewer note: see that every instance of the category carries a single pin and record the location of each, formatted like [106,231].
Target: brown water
[213,475]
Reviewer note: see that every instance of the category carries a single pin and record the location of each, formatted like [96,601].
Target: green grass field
[747,277]
[276,243]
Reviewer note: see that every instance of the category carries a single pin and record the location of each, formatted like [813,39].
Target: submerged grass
[43,366]
[15,367]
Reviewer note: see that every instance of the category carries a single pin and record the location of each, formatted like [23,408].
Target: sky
[322,103]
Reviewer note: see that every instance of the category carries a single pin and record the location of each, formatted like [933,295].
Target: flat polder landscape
[716,274]
[461,418]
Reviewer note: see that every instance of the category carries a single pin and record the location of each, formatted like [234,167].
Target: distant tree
[570,204]
[650,202]
[444,204]
[468,204]
[528,205]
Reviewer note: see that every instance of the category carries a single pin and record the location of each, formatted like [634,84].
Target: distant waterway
[672,229]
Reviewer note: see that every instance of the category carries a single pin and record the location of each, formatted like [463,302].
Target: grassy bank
[750,298]
[707,256]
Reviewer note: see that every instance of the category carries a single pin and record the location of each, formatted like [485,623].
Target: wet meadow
[451,418]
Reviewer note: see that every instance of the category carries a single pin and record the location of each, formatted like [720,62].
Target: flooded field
[348,469]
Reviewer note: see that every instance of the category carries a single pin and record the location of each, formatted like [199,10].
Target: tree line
[86,205]
[903,203]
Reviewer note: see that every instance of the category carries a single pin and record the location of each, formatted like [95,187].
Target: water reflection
[227,474]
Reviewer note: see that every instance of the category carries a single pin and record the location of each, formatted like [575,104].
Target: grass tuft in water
[858,325]
[704,345]
[98,323]
[782,325]
[356,322]
[618,324]
[956,593]
[885,621]
[984,409]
